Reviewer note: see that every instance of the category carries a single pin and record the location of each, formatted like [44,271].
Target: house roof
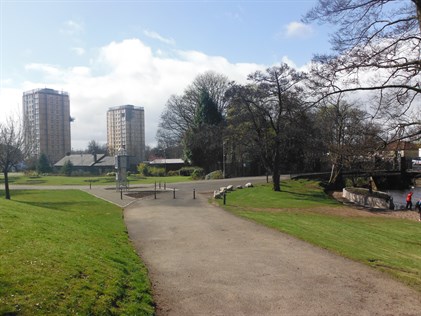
[401,146]
[106,161]
[81,160]
[167,161]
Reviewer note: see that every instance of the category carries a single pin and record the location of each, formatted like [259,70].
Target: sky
[110,53]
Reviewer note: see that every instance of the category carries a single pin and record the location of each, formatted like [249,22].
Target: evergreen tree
[203,141]
[207,111]
[67,168]
[43,165]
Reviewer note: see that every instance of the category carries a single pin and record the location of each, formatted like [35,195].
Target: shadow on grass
[34,181]
[308,196]
[60,206]
[11,180]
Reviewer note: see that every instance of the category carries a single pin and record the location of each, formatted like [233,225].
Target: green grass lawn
[387,244]
[17,178]
[66,252]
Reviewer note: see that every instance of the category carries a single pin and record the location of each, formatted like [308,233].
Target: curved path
[205,261]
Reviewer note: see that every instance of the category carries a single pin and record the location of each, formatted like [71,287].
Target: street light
[223,159]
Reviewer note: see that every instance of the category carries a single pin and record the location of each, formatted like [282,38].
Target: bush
[143,169]
[156,172]
[110,174]
[146,170]
[198,173]
[173,173]
[32,174]
[187,171]
[356,182]
[217,174]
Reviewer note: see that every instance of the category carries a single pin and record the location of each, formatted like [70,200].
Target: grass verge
[387,244]
[20,179]
[66,252]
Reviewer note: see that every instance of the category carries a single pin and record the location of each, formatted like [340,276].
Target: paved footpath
[205,261]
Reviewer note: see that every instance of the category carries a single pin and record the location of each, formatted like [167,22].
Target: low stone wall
[366,200]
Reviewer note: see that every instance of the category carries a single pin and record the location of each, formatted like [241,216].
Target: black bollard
[121,193]
[165,186]
[225,198]
[194,194]
[173,193]
[154,193]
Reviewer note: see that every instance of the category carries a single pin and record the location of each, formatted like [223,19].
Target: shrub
[173,173]
[198,173]
[31,174]
[143,169]
[110,174]
[156,172]
[217,174]
[187,171]
[356,182]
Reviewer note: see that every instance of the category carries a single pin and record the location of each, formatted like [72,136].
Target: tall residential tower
[126,130]
[46,118]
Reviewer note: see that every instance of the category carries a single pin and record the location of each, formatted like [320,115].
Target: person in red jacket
[409,200]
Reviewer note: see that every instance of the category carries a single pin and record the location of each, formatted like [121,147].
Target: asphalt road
[205,261]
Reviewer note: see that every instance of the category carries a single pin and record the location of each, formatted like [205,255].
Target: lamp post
[223,159]
[121,162]
[165,161]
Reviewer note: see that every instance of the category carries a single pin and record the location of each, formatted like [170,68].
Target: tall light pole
[165,161]
[223,159]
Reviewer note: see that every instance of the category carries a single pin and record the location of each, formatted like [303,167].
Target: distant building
[46,120]
[403,148]
[89,163]
[126,130]
[168,164]
[400,154]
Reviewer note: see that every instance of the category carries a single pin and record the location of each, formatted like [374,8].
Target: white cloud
[298,30]
[11,103]
[126,72]
[44,68]
[155,35]
[289,62]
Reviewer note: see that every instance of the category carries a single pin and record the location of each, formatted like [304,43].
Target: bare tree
[13,149]
[96,148]
[176,119]
[179,114]
[267,108]
[376,49]
[349,136]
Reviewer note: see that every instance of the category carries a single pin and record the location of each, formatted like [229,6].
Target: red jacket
[409,197]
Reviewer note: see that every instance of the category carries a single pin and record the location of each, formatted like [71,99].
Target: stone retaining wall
[367,201]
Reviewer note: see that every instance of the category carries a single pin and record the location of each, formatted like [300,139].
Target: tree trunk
[276,173]
[332,174]
[336,174]
[276,178]
[6,185]
[418,6]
